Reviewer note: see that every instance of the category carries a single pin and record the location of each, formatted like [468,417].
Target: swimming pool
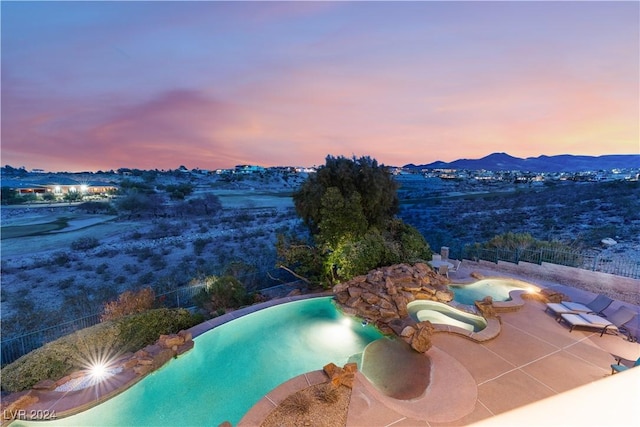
[438,312]
[232,367]
[498,289]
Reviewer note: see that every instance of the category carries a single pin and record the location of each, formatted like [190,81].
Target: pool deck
[532,359]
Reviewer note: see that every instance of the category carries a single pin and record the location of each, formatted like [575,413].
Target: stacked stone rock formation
[154,356]
[381,298]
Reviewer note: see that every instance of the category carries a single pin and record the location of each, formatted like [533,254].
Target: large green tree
[349,206]
[353,178]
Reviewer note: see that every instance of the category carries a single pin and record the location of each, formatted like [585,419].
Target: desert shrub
[146,279]
[97,208]
[162,229]
[66,283]
[327,393]
[143,253]
[222,292]
[61,259]
[73,352]
[128,303]
[107,253]
[102,268]
[84,243]
[131,268]
[297,403]
[158,262]
[199,245]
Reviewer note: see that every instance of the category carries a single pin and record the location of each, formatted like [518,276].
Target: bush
[199,245]
[97,208]
[104,340]
[222,292]
[84,243]
[128,303]
[327,393]
[61,259]
[139,330]
[298,403]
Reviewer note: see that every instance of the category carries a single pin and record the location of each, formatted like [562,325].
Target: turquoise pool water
[498,289]
[232,367]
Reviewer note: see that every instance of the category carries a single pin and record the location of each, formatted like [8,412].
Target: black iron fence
[14,347]
[601,263]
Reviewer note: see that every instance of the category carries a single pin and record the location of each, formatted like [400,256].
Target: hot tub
[441,313]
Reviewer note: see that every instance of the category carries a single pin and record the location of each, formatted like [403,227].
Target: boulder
[608,241]
[294,292]
[185,347]
[390,286]
[444,296]
[128,364]
[401,305]
[408,332]
[162,357]
[341,376]
[186,335]
[550,295]
[341,287]
[421,338]
[45,385]
[370,298]
[486,307]
[354,291]
[421,268]
[169,341]
[146,361]
[142,369]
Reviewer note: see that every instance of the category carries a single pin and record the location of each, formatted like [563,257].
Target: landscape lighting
[98,371]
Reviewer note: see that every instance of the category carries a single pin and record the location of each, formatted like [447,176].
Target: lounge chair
[597,306]
[615,323]
[623,366]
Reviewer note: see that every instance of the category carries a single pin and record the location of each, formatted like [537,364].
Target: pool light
[98,371]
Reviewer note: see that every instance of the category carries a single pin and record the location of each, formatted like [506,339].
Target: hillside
[560,163]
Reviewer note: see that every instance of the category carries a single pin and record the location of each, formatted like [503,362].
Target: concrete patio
[534,359]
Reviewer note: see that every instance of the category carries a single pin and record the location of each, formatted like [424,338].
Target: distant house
[58,186]
[248,169]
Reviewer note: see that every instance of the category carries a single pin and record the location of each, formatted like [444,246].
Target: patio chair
[615,323]
[623,366]
[597,306]
[456,266]
[444,270]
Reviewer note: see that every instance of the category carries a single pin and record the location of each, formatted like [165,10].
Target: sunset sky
[104,85]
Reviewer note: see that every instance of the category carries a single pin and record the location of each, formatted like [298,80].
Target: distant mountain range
[560,163]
